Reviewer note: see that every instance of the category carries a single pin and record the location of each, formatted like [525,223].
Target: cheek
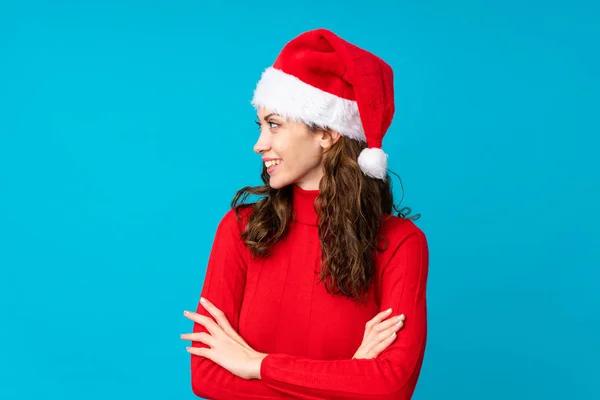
[300,162]
[299,154]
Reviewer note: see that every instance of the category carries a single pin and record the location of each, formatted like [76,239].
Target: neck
[312,180]
[303,203]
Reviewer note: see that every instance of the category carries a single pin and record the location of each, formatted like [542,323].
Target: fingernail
[185,313]
[401,317]
[388,310]
[202,299]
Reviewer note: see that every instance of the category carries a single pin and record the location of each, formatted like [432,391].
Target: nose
[262,144]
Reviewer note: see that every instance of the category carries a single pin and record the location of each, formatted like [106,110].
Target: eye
[271,124]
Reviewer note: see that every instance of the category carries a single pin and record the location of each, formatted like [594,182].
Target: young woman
[315,291]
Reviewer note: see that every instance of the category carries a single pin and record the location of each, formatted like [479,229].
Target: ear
[329,137]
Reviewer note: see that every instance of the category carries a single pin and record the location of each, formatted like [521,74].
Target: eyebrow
[268,116]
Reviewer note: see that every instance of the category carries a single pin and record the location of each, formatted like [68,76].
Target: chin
[277,183]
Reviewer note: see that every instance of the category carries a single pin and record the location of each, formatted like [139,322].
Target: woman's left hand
[227,348]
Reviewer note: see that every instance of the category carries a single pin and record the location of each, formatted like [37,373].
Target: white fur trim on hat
[291,98]
[373,162]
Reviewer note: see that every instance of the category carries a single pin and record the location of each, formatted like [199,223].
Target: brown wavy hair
[350,206]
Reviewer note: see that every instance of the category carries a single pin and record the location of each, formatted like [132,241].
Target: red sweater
[278,307]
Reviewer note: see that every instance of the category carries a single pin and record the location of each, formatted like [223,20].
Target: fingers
[376,320]
[391,327]
[381,346]
[200,351]
[222,320]
[387,334]
[217,314]
[382,326]
[205,321]
[202,337]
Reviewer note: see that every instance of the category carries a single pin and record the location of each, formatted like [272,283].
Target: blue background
[126,128]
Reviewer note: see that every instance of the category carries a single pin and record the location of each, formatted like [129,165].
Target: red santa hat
[322,79]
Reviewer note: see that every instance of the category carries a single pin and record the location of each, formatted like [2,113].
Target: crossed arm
[391,375]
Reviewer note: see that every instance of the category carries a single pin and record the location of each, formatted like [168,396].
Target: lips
[272,168]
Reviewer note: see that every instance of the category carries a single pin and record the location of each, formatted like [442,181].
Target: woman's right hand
[379,334]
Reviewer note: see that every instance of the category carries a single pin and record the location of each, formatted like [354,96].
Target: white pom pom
[373,162]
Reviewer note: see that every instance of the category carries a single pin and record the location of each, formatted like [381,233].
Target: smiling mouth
[271,166]
[272,163]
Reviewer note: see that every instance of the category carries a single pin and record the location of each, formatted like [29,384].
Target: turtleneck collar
[303,203]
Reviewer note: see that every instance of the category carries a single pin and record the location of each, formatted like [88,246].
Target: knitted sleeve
[391,375]
[224,287]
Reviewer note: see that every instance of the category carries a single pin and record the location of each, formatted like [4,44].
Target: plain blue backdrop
[126,128]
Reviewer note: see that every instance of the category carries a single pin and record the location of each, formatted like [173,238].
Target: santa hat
[322,79]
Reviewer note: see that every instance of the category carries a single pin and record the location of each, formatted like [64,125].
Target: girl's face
[291,151]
